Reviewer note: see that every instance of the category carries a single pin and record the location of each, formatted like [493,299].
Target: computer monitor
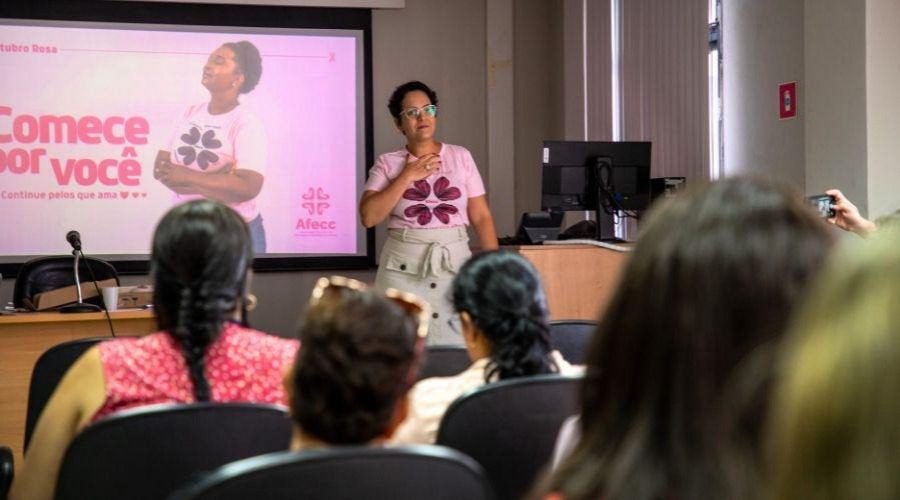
[601,176]
[574,171]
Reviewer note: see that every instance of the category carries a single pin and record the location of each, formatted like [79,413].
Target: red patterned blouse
[241,365]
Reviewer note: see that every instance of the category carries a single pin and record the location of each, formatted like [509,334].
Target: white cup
[111,297]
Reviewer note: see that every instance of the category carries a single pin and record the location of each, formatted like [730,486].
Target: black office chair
[49,273]
[510,427]
[571,338]
[444,361]
[6,471]
[149,452]
[410,472]
[48,371]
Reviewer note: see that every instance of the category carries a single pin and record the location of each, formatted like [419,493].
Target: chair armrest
[6,471]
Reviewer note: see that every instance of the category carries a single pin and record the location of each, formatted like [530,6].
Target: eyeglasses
[415,307]
[415,113]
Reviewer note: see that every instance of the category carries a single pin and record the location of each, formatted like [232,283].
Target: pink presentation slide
[84,112]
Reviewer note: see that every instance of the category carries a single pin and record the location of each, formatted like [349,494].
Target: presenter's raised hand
[421,168]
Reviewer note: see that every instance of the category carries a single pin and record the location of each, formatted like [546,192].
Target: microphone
[74,239]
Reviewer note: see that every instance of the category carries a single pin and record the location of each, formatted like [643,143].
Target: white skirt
[423,262]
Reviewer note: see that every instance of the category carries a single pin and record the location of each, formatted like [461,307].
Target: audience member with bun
[834,424]
[504,321]
[204,350]
[705,295]
[359,358]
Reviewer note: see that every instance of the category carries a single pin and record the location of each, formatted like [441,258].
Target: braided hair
[502,293]
[201,253]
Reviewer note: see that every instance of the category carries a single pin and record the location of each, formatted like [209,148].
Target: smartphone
[824,205]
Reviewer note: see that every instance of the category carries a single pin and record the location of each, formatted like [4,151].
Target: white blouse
[430,398]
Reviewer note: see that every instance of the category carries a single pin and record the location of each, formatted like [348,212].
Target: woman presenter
[429,192]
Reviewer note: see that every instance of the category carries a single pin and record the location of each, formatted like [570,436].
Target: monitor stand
[606,227]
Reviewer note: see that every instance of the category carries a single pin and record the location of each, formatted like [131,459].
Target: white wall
[538,70]
[835,76]
[844,55]
[883,105]
[501,114]
[762,47]
[442,44]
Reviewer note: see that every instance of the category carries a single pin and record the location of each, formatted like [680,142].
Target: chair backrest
[48,371]
[444,361]
[149,452]
[7,467]
[510,427]
[49,273]
[409,472]
[571,337]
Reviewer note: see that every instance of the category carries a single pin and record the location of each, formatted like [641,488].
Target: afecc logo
[314,201]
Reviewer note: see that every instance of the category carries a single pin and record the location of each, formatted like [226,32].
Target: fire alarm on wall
[787,100]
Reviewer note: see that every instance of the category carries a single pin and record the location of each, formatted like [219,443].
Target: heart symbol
[192,137]
[135,195]
[143,195]
[124,194]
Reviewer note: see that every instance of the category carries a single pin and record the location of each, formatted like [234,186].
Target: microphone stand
[79,306]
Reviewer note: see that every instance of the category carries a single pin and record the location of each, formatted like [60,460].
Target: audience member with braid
[504,321]
[349,383]
[204,350]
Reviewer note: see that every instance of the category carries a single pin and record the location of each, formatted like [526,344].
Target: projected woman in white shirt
[218,149]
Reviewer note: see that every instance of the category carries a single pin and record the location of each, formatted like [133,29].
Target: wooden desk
[579,279]
[24,337]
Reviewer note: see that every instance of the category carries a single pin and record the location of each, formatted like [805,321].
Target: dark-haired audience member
[503,316]
[429,192]
[711,282]
[359,358]
[204,350]
[218,149]
[834,430]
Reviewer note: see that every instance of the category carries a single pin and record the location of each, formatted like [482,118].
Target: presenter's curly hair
[677,376]
[395,103]
[201,253]
[502,293]
[353,369]
[249,63]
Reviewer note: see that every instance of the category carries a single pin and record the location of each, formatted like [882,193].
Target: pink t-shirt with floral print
[438,201]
